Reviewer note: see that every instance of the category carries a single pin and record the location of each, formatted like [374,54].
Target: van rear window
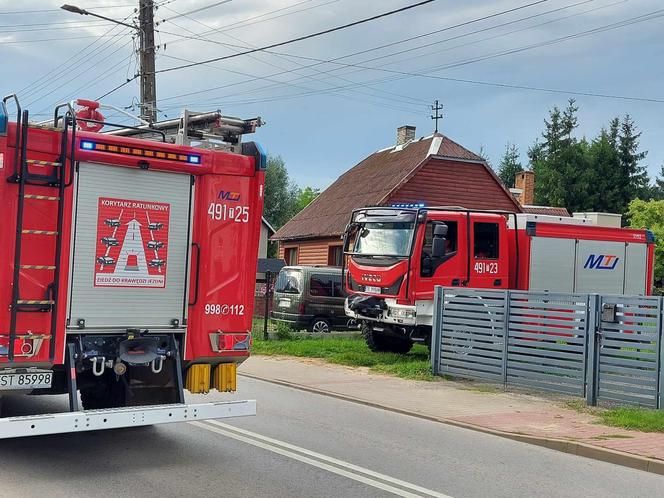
[289,282]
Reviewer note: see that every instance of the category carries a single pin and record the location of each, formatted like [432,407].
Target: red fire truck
[396,255]
[127,265]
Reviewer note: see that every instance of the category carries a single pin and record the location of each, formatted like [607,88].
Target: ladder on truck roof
[208,130]
[27,180]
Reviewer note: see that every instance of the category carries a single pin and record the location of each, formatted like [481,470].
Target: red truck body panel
[225,225]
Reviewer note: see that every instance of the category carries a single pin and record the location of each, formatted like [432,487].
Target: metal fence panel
[629,352]
[471,338]
[546,341]
[608,348]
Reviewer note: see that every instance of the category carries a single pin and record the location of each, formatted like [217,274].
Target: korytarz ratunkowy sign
[132,243]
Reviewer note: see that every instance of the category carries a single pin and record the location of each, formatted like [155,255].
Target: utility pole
[436,116]
[146,53]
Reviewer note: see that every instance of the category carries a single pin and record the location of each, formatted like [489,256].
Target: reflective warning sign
[132,243]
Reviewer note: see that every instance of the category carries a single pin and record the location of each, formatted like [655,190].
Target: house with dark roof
[433,170]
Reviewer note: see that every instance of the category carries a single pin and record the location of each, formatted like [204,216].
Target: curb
[566,446]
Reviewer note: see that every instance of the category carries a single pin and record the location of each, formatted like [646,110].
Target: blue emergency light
[140,152]
[412,205]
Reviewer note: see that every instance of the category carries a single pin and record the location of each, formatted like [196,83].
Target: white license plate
[284,303]
[32,380]
[372,289]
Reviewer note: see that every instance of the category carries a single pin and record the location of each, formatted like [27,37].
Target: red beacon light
[90,111]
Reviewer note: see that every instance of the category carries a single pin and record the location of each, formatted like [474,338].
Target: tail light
[230,342]
[301,309]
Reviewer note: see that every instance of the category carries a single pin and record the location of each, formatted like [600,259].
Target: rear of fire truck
[127,265]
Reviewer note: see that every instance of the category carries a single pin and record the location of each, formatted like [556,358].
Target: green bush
[284,331]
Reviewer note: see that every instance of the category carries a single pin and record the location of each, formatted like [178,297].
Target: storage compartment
[130,248]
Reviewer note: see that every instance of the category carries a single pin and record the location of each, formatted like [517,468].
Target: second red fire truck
[397,255]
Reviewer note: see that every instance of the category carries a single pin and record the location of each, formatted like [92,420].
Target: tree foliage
[281,193]
[603,174]
[650,214]
[283,197]
[305,197]
[509,166]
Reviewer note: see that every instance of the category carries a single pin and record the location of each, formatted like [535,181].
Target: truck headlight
[402,313]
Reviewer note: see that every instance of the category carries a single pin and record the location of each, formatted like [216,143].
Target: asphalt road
[299,445]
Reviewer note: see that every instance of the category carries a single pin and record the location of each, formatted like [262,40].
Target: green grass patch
[640,419]
[630,417]
[350,351]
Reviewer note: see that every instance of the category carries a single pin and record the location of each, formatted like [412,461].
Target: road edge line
[563,445]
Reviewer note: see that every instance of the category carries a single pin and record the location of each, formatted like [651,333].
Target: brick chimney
[525,181]
[405,134]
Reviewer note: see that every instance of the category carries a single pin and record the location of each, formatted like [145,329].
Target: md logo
[229,196]
[601,262]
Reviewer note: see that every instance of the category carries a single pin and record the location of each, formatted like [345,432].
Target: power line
[61,28]
[245,22]
[186,14]
[322,62]
[14,25]
[301,38]
[63,68]
[391,97]
[39,40]
[293,40]
[641,18]
[100,61]
[96,7]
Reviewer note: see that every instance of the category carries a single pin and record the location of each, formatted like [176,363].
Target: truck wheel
[382,343]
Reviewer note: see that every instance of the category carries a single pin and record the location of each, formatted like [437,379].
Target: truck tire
[379,342]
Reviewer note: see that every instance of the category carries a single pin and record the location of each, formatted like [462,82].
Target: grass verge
[350,351]
[639,419]
[627,417]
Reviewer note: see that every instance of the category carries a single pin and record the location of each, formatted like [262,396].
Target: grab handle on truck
[7,98]
[198,271]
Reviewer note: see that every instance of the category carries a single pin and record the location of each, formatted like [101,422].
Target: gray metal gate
[606,348]
[547,336]
[472,341]
[628,363]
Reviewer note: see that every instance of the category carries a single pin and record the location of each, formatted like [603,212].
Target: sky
[331,100]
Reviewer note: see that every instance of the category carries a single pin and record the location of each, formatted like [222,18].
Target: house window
[334,255]
[290,256]
[486,240]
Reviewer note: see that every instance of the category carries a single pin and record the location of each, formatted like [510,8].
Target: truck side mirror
[350,231]
[440,230]
[438,245]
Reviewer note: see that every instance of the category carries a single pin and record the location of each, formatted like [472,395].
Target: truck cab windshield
[384,239]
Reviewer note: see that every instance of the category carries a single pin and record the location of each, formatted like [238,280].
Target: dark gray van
[310,297]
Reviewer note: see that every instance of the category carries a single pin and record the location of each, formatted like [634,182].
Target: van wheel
[379,342]
[321,326]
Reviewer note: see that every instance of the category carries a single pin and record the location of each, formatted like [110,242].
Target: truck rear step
[115,418]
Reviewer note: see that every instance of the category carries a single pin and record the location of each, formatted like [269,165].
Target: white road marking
[319,460]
